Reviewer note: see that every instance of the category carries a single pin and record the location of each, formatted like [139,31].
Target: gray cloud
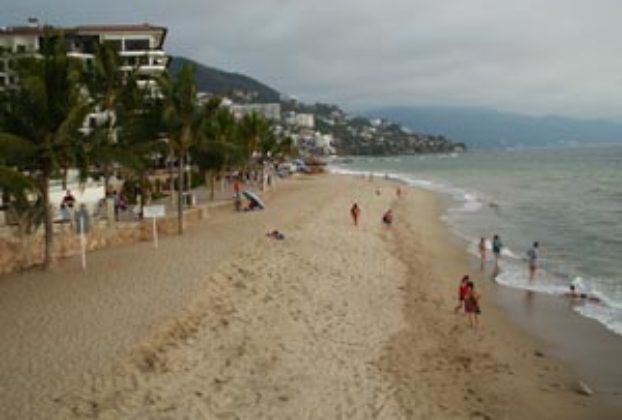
[530,56]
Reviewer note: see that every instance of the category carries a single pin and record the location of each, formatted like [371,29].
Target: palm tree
[41,117]
[106,84]
[257,133]
[183,120]
[140,137]
[221,144]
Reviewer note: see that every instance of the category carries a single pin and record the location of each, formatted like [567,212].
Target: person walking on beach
[482,253]
[471,304]
[462,292]
[398,191]
[532,257]
[496,250]
[355,211]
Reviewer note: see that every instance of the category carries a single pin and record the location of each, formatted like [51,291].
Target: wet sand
[335,321]
[592,350]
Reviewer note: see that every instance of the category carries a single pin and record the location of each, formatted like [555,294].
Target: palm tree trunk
[143,193]
[180,192]
[49,229]
[212,177]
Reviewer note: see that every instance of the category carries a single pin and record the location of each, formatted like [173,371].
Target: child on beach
[482,253]
[462,292]
[471,304]
[355,211]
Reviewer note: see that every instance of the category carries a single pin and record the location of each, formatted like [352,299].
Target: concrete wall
[16,254]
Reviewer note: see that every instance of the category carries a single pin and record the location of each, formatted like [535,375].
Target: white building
[140,47]
[268,111]
[305,120]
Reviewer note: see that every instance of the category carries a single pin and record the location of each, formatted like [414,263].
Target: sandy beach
[333,322]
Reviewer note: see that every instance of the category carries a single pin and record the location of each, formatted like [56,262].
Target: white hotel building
[140,47]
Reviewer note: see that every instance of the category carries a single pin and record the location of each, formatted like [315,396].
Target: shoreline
[548,318]
[585,345]
[334,320]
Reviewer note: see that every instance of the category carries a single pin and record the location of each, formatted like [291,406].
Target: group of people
[531,257]
[355,213]
[497,246]
[387,216]
[468,300]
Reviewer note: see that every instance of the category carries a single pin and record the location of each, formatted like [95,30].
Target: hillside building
[268,111]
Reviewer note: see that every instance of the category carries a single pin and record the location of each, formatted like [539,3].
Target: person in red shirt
[463,289]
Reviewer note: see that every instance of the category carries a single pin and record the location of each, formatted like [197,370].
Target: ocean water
[567,199]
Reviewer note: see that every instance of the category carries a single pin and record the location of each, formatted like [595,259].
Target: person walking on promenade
[497,245]
[532,257]
[482,253]
[471,304]
[462,292]
[355,211]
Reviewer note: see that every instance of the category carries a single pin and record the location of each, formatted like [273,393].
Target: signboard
[154,211]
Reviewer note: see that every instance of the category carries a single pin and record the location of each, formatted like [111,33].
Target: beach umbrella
[253,197]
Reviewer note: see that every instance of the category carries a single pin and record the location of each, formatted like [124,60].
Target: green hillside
[234,85]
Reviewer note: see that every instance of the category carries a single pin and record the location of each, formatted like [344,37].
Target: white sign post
[83,242]
[154,212]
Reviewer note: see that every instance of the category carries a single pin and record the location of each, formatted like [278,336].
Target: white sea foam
[606,315]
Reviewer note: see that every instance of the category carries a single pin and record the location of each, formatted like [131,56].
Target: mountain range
[210,79]
[485,128]
[476,127]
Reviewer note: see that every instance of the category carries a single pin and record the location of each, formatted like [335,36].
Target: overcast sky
[559,57]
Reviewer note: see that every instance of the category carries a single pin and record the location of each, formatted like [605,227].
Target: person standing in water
[482,253]
[355,211]
[496,250]
[532,256]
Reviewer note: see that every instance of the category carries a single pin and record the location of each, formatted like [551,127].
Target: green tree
[40,118]
[257,133]
[106,84]
[141,136]
[183,121]
[220,146]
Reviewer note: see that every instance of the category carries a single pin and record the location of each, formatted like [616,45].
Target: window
[2,81]
[21,48]
[131,61]
[137,44]
[2,66]
[116,43]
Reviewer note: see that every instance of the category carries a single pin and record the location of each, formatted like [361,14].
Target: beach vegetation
[183,121]
[40,121]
